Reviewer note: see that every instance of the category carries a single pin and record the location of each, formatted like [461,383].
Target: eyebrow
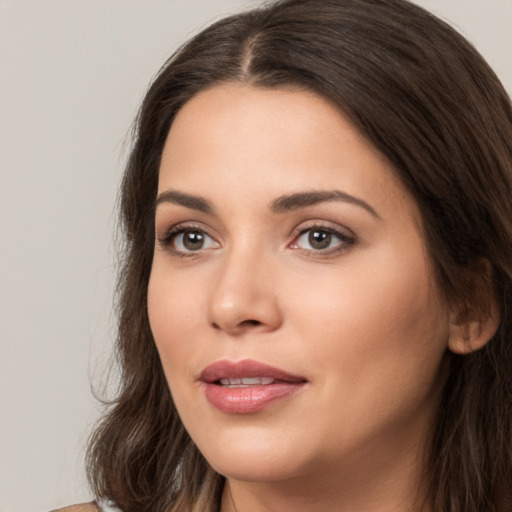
[186,200]
[282,204]
[299,200]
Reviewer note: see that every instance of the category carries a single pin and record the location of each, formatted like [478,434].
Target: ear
[475,320]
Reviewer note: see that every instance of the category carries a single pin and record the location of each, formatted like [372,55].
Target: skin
[361,321]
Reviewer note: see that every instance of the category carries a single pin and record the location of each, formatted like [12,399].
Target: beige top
[93,506]
[83,507]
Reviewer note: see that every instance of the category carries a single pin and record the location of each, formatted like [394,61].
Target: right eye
[188,240]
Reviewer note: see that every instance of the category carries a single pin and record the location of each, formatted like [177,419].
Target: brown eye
[188,240]
[319,239]
[193,240]
[322,240]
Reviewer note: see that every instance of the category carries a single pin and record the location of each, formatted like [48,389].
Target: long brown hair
[429,102]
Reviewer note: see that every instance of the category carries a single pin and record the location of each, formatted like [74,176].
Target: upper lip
[245,368]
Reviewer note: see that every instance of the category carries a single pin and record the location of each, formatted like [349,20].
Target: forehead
[236,137]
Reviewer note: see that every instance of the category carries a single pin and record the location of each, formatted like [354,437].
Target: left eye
[320,239]
[190,240]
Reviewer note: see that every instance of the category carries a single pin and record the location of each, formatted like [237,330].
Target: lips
[247,386]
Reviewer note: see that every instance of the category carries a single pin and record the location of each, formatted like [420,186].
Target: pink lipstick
[247,386]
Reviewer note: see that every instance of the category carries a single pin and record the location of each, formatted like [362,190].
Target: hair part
[432,106]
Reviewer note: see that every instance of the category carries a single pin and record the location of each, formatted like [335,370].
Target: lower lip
[250,399]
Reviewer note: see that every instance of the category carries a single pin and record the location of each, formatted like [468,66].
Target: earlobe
[472,335]
[472,328]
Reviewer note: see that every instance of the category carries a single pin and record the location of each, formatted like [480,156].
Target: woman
[315,303]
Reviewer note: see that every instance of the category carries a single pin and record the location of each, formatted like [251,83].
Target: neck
[389,483]
[286,497]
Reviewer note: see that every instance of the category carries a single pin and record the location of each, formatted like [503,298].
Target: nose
[244,296]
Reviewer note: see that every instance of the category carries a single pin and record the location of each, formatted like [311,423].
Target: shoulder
[83,507]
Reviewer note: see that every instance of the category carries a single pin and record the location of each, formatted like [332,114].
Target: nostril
[237,327]
[251,322]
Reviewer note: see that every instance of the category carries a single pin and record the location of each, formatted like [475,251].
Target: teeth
[230,382]
[246,382]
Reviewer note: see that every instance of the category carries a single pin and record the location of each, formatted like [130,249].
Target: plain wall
[72,73]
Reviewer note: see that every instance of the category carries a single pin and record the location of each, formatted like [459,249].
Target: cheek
[375,339]
[173,309]
[379,321]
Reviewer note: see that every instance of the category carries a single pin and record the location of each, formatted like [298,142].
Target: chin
[254,455]
[262,468]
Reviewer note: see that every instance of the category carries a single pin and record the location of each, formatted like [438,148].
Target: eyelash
[172,234]
[345,241]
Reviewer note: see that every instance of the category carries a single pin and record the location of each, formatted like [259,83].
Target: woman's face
[291,297]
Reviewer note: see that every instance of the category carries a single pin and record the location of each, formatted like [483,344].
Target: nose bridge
[244,296]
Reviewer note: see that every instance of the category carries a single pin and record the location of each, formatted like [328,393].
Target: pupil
[193,240]
[319,239]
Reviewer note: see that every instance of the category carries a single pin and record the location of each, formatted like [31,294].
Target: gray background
[72,73]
